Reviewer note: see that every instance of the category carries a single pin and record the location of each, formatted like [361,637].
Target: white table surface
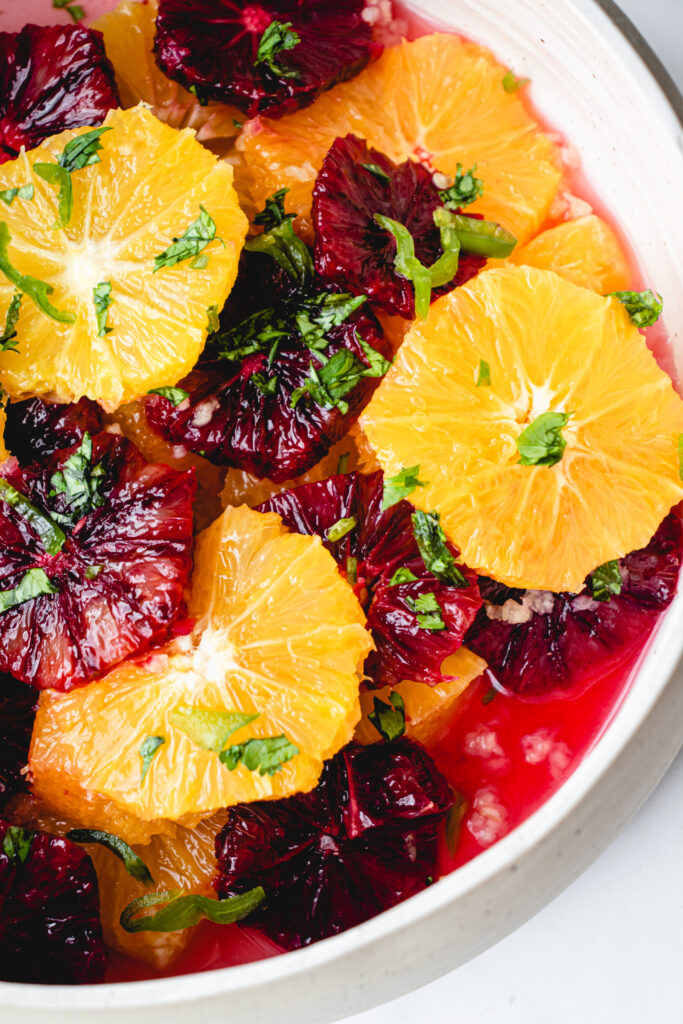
[608,950]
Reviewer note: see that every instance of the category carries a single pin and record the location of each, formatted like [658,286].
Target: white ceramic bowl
[597,88]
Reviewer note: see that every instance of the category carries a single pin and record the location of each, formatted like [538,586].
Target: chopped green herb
[402,575]
[431,541]
[342,463]
[266,385]
[192,241]
[16,843]
[212,318]
[103,300]
[200,262]
[279,239]
[484,374]
[407,264]
[148,748]
[209,729]
[377,364]
[480,237]
[400,486]
[464,190]
[260,332]
[80,482]
[341,528]
[53,174]
[378,173]
[389,719]
[35,583]
[238,124]
[428,612]
[176,396]
[316,316]
[184,911]
[277,38]
[644,308]
[352,570]
[511,83]
[93,571]
[606,581]
[8,195]
[77,13]
[265,755]
[541,443]
[454,820]
[52,537]
[489,695]
[201,99]
[8,338]
[36,290]
[133,864]
[82,151]
[328,384]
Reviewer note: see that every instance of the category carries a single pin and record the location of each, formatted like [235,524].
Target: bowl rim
[617,732]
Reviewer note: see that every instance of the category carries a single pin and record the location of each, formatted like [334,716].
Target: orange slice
[550,347]
[428,709]
[585,251]
[438,99]
[147,189]
[279,636]
[4,454]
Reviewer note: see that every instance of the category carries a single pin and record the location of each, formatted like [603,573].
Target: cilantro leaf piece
[541,443]
[644,308]
[402,575]
[260,332]
[341,528]
[318,315]
[267,755]
[400,486]
[409,266]
[82,151]
[279,36]
[54,174]
[79,481]
[176,396]
[454,820]
[101,294]
[465,189]
[431,542]
[428,611]
[484,374]
[35,583]
[328,384]
[148,748]
[133,864]
[378,365]
[193,240]
[8,338]
[200,262]
[74,10]
[209,729]
[52,537]
[352,570]
[480,237]
[93,571]
[36,290]
[279,239]
[266,385]
[378,173]
[511,83]
[184,911]
[213,323]
[389,719]
[8,195]
[606,580]
[16,843]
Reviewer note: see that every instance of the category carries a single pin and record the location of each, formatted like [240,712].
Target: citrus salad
[339,474]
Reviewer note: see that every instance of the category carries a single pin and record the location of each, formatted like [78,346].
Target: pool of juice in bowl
[505,756]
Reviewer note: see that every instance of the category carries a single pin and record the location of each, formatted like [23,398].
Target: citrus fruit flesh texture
[549,346]
[437,99]
[147,189]
[279,636]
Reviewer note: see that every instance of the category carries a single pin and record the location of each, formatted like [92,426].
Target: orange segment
[279,635]
[585,251]
[4,454]
[551,347]
[427,708]
[146,191]
[437,98]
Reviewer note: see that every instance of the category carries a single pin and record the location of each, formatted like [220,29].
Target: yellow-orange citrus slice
[4,454]
[279,636]
[186,861]
[585,251]
[147,189]
[439,99]
[428,709]
[549,347]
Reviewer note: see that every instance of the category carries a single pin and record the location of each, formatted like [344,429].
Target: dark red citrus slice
[36,429]
[566,641]
[374,548]
[50,929]
[363,840]
[51,78]
[256,405]
[268,57]
[352,250]
[95,555]
[17,712]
